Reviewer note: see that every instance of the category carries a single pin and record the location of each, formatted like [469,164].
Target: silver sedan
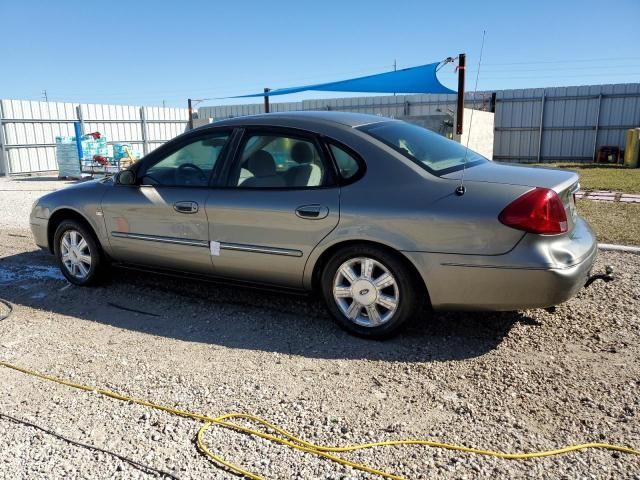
[377,215]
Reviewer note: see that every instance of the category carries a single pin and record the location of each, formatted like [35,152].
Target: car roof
[348,119]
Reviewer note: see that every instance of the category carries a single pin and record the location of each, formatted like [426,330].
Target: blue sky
[141,52]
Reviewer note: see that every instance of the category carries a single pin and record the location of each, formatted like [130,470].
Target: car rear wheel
[78,253]
[369,291]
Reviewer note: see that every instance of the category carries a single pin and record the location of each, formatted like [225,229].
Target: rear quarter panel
[400,205]
[429,217]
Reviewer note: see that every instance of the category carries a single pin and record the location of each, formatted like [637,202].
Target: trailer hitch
[606,277]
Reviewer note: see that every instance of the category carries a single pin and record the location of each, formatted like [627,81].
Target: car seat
[263,168]
[305,173]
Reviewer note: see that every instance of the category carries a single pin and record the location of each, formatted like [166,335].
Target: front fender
[82,200]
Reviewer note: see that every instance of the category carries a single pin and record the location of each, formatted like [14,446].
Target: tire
[373,304]
[76,242]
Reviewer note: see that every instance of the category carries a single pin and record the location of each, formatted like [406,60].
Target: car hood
[86,184]
[77,190]
[492,172]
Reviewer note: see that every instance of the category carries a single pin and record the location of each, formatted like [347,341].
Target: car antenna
[461,189]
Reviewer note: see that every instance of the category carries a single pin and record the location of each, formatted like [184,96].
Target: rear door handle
[185,207]
[312,212]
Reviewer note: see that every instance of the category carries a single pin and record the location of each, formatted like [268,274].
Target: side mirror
[126,177]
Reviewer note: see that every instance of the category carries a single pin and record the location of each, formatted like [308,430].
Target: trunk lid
[563,182]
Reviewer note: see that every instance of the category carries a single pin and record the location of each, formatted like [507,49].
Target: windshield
[428,149]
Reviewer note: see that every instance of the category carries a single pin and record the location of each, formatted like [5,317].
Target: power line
[604,74]
[605,59]
[222,91]
[204,91]
[533,73]
[567,68]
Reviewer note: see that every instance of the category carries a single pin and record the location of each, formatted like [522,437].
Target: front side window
[189,166]
[278,161]
[431,151]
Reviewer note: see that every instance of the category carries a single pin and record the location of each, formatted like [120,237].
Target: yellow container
[632,148]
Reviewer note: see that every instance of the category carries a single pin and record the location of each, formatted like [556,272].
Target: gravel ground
[512,381]
[18,194]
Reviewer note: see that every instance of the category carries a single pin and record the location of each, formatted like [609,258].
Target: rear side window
[280,161]
[431,151]
[347,164]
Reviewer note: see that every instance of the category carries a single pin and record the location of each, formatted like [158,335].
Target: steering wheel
[190,174]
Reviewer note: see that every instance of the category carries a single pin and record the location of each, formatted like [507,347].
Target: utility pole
[44,95]
[190,114]
[460,111]
[266,100]
[395,67]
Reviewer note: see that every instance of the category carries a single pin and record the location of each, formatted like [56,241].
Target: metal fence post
[143,123]
[80,118]
[4,160]
[595,134]
[541,130]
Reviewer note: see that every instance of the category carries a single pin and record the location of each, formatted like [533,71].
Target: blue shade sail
[421,79]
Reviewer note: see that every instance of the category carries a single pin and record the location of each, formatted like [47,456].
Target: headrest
[301,153]
[261,164]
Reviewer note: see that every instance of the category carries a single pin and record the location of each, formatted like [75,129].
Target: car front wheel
[78,253]
[369,291]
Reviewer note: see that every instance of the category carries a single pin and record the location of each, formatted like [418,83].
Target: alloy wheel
[75,254]
[366,291]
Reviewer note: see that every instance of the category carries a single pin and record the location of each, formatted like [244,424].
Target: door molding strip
[239,247]
[154,238]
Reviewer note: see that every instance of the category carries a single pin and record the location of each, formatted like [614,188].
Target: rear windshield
[433,152]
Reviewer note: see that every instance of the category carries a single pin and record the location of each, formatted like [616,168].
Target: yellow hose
[283,437]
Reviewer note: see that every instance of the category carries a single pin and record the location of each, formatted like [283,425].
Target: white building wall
[477,129]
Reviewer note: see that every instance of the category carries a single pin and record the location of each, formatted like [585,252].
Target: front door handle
[185,207]
[312,212]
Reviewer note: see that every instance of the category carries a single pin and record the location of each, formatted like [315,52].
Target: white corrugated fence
[531,125]
[28,129]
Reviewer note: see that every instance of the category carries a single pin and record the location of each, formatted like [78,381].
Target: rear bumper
[480,288]
[538,272]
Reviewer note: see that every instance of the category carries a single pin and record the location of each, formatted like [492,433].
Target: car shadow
[234,317]
[47,178]
[36,178]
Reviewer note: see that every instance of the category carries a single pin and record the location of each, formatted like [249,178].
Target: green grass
[604,177]
[613,222]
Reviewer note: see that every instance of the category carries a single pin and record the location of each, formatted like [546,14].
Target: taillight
[538,211]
